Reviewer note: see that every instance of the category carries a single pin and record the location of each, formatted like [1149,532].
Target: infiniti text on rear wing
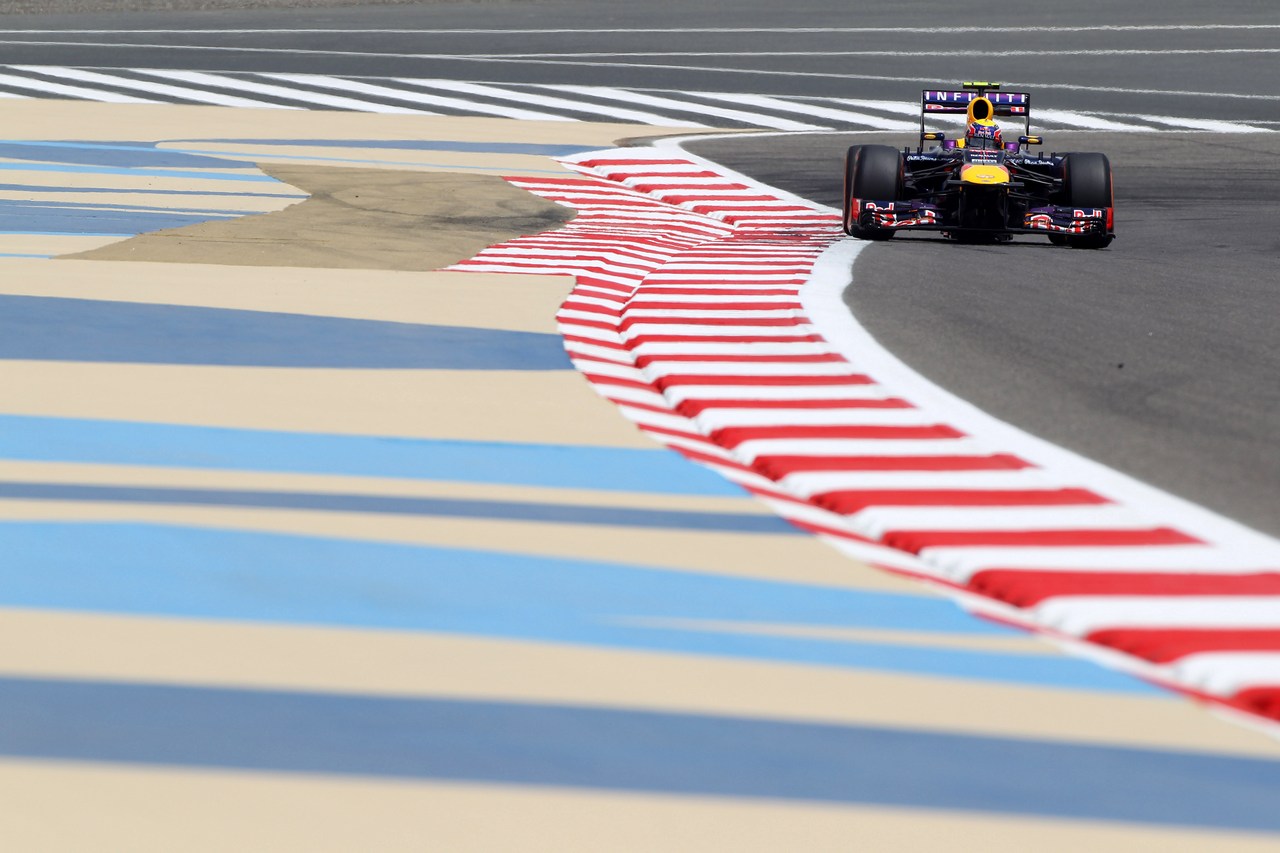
[1006,104]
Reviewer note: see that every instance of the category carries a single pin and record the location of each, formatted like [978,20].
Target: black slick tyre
[870,172]
[1086,183]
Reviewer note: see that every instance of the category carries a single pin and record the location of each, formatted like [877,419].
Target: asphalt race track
[1157,356]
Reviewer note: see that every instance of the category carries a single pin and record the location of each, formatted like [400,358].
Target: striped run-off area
[532,102]
[689,315]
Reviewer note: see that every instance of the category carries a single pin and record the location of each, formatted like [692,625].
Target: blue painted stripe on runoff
[553,513]
[315,158]
[107,442]
[186,174]
[33,188]
[542,149]
[125,155]
[108,206]
[633,751]
[191,572]
[43,218]
[13,232]
[57,329]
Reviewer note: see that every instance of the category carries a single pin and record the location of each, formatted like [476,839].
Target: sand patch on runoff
[357,219]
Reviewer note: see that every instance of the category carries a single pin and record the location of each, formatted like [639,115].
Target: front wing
[923,216]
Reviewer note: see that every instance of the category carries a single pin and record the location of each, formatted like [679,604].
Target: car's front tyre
[870,172]
[1086,183]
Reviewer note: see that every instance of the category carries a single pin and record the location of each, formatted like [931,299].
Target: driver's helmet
[983,135]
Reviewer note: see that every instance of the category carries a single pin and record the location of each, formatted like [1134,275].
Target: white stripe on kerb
[713,419]
[960,564]
[749,451]
[820,482]
[882,519]
[1226,673]
[1083,614]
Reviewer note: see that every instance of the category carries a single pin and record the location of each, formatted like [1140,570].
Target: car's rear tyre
[1086,182]
[870,172]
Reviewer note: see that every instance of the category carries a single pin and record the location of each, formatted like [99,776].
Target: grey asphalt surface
[1158,356]
[421,39]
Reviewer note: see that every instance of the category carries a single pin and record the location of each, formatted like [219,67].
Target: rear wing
[1005,104]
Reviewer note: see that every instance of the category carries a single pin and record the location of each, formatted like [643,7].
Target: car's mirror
[1031,140]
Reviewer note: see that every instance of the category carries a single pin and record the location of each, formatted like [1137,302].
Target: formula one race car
[978,188]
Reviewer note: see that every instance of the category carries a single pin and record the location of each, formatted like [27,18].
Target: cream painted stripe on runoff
[46,244]
[518,303]
[494,405]
[52,644]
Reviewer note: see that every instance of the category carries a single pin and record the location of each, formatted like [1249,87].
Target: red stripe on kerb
[588,308]
[783,465]
[578,339]
[850,501]
[654,188]
[685,199]
[790,254]
[1264,701]
[525,183]
[916,541]
[1026,588]
[635,177]
[694,407]
[648,407]
[699,379]
[655,305]
[581,356]
[624,289]
[616,382]
[577,323]
[639,340]
[736,291]
[628,322]
[646,360]
[1163,645]
[733,436]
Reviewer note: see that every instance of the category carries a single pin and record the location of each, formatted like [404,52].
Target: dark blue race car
[978,188]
